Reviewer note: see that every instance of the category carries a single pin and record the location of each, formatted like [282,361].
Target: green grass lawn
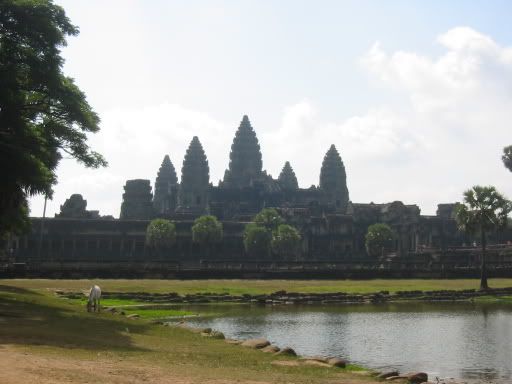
[106,302]
[238,287]
[494,299]
[128,306]
[149,313]
[38,323]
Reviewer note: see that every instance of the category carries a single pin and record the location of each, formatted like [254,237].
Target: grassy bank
[253,287]
[48,339]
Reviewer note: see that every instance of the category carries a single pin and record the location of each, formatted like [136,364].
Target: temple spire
[164,200]
[195,178]
[333,179]
[245,163]
[287,179]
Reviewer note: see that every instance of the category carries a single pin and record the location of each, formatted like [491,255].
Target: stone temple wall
[116,248]
[330,238]
[124,240]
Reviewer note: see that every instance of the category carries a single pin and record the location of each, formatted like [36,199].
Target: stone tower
[245,164]
[166,183]
[195,180]
[137,200]
[287,179]
[75,208]
[333,180]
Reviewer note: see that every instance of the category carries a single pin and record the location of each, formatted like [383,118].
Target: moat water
[465,341]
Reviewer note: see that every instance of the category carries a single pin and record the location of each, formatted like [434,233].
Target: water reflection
[457,340]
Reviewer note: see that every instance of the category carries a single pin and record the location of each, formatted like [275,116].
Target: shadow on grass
[33,320]
[11,289]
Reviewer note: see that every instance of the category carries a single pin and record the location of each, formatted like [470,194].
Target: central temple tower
[245,164]
[333,180]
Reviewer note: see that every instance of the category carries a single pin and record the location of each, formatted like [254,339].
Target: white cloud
[446,137]
[381,133]
[473,63]
[460,104]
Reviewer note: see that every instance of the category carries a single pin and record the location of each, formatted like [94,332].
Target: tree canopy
[483,209]
[378,237]
[269,232]
[43,114]
[161,233]
[507,157]
[286,240]
[257,240]
[207,230]
[268,218]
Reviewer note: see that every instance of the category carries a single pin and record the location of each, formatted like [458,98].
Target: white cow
[94,299]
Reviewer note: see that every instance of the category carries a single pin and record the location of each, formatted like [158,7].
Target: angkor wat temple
[332,227]
[244,191]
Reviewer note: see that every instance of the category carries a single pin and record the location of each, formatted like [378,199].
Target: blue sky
[415,95]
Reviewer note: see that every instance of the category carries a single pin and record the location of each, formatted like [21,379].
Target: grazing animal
[94,299]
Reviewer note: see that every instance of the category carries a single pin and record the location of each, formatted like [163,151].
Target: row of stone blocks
[283,297]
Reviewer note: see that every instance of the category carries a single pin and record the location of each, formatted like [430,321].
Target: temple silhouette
[244,190]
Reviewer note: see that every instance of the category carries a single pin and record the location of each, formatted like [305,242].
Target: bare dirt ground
[17,366]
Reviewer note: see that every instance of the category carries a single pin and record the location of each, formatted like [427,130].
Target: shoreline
[264,345]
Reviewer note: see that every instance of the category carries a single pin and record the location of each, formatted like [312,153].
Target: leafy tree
[483,209]
[507,157]
[257,240]
[268,218]
[286,240]
[378,237]
[161,234]
[206,231]
[42,112]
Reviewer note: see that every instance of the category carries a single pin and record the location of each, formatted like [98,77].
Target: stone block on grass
[337,362]
[270,349]
[287,351]
[256,343]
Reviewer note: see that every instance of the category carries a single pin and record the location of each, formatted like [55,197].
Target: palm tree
[207,231]
[161,235]
[483,209]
